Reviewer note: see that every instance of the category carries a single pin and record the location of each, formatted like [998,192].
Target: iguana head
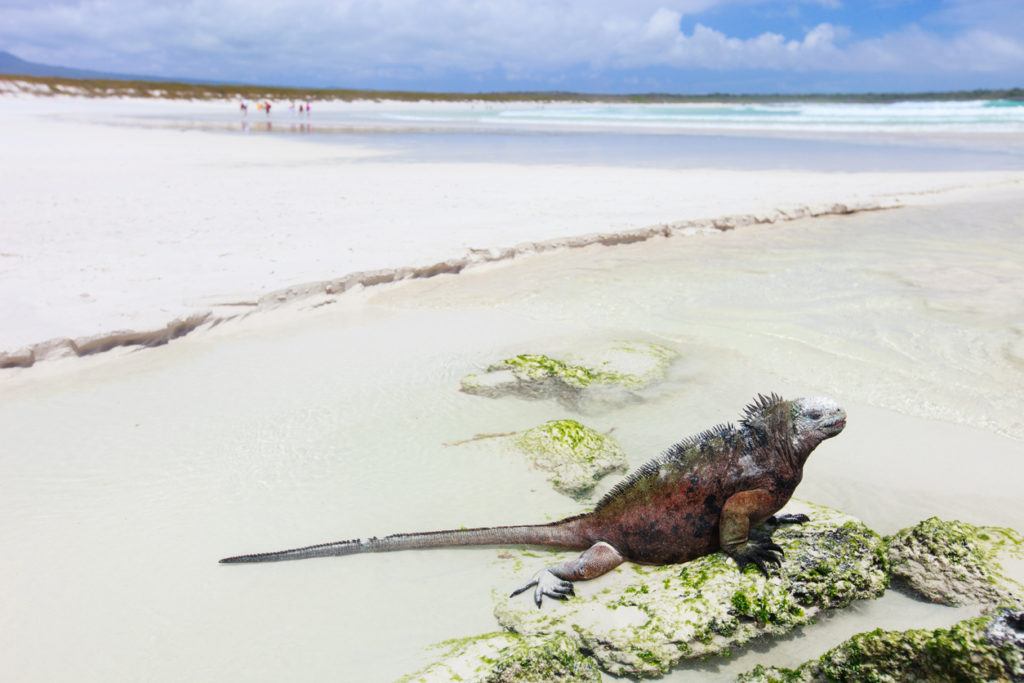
[798,425]
[815,419]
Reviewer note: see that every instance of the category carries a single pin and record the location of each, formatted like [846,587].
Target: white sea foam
[982,115]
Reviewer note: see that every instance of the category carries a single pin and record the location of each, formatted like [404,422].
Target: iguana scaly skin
[702,495]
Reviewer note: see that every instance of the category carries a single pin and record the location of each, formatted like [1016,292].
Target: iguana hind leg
[556,581]
[740,512]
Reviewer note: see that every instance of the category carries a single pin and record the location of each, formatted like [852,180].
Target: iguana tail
[563,534]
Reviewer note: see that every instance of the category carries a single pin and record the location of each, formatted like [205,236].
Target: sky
[606,46]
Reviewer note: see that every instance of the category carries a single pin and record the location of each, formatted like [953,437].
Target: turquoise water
[992,116]
[801,118]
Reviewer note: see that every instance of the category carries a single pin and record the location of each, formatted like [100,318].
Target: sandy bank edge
[64,347]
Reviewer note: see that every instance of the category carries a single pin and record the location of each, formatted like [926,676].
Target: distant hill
[16,66]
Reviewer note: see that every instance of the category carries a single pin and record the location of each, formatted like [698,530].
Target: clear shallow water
[932,136]
[751,151]
[992,116]
[123,481]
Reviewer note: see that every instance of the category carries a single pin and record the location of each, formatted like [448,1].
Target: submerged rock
[604,376]
[641,620]
[985,648]
[508,658]
[574,455]
[956,563]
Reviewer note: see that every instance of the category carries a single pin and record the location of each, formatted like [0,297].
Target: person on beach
[266,108]
[244,106]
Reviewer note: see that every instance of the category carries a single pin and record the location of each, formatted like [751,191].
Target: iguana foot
[789,518]
[547,584]
[760,552]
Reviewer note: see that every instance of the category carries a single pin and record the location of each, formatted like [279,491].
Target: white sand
[123,228]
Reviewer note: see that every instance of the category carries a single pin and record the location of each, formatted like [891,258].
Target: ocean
[1004,116]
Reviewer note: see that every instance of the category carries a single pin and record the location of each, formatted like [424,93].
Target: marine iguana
[703,494]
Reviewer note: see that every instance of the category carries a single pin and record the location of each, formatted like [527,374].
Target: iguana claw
[789,518]
[547,584]
[759,552]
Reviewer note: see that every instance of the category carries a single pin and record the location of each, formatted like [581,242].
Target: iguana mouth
[836,426]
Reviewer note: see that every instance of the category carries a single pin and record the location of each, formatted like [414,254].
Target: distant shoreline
[85,87]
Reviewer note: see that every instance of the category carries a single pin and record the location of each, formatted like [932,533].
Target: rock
[956,563]
[508,658]
[601,377]
[575,455]
[985,648]
[642,620]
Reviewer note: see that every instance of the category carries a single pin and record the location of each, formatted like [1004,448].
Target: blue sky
[681,46]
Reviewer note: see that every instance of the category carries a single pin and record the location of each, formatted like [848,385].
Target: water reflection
[268,127]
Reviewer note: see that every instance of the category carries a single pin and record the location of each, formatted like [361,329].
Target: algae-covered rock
[603,376]
[508,658]
[575,455]
[956,563]
[985,648]
[640,620]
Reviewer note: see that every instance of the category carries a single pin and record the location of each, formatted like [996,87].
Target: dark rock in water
[588,381]
[985,648]
[956,563]
[1007,629]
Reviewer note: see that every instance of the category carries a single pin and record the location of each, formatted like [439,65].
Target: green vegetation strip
[191,91]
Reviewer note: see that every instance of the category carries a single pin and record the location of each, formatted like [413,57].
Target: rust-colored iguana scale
[704,494]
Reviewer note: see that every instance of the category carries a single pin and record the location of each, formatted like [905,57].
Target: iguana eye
[814,414]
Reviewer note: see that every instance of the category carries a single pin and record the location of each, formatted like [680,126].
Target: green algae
[956,563]
[532,367]
[574,455]
[824,573]
[985,648]
[611,373]
[503,657]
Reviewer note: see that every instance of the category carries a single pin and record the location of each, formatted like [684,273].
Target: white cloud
[345,40]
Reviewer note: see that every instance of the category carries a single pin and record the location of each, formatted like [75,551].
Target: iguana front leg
[740,512]
[556,581]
